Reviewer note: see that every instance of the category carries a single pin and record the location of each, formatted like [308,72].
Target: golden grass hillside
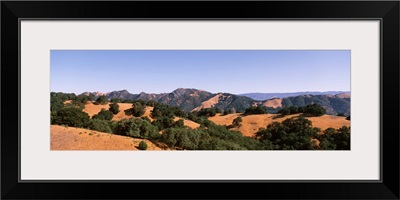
[92,109]
[71,138]
[252,123]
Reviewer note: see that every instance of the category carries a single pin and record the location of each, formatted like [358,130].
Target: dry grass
[274,103]
[327,121]
[189,123]
[209,103]
[92,109]
[148,112]
[70,138]
[252,123]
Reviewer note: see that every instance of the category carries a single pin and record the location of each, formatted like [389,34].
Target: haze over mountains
[190,99]
[266,96]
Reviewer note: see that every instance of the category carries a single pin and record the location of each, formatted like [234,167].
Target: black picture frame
[386,11]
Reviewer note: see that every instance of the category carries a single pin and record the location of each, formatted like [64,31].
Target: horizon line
[209,92]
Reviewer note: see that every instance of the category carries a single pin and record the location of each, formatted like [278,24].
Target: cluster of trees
[227,112]
[309,110]
[166,110]
[255,110]
[104,115]
[335,139]
[296,134]
[207,112]
[213,138]
[101,100]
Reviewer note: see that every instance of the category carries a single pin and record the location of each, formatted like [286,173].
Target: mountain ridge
[190,99]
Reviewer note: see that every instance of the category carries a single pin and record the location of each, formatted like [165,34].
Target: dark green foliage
[237,122]
[81,100]
[71,116]
[227,111]
[138,109]
[255,110]
[341,115]
[102,100]
[127,101]
[151,103]
[207,112]
[181,137]
[202,120]
[114,108]
[327,141]
[163,122]
[348,118]
[136,127]
[142,145]
[291,134]
[168,111]
[53,115]
[309,110]
[192,116]
[179,124]
[104,115]
[57,100]
[314,110]
[145,118]
[100,125]
[343,138]
[291,110]
[116,100]
[284,111]
[335,139]
[214,138]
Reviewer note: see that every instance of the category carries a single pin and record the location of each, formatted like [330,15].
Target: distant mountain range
[190,99]
[266,96]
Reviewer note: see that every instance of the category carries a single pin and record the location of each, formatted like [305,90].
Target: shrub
[340,115]
[104,115]
[237,122]
[100,125]
[71,116]
[208,112]
[114,108]
[142,145]
[291,134]
[138,109]
[226,112]
[314,110]
[163,122]
[136,127]
[102,100]
[348,118]
[255,110]
[116,100]
[179,124]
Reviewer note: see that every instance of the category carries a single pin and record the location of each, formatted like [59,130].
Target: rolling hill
[264,96]
[190,99]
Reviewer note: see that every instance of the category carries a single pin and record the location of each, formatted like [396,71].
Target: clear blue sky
[232,71]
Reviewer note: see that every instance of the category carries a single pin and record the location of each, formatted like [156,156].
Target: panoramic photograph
[171,100]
